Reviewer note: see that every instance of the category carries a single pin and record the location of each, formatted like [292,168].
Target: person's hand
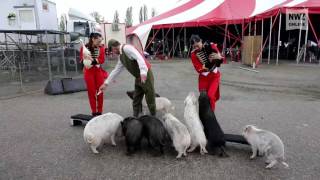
[102,88]
[205,68]
[143,78]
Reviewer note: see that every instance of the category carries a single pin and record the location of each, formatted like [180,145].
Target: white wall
[48,19]
[8,7]
[118,35]
[45,19]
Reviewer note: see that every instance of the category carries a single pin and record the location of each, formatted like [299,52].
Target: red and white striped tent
[195,13]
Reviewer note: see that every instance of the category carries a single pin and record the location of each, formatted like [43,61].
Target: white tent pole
[306,39]
[163,41]
[184,39]
[242,34]
[225,39]
[270,33]
[177,43]
[153,44]
[255,27]
[254,33]
[242,27]
[279,33]
[289,32]
[298,59]
[185,36]
[180,52]
[262,39]
[251,55]
[172,41]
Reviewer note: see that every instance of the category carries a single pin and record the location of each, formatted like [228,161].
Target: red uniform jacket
[101,56]
[209,83]
[101,59]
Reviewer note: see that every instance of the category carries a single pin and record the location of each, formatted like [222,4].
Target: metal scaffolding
[36,55]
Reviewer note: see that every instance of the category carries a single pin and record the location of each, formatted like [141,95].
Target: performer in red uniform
[209,76]
[94,75]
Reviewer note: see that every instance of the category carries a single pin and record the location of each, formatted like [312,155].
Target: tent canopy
[212,12]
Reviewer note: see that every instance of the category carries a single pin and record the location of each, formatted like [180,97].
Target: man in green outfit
[131,59]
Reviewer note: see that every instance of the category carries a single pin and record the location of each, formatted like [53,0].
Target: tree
[98,17]
[115,26]
[62,25]
[145,12]
[128,19]
[153,12]
[141,15]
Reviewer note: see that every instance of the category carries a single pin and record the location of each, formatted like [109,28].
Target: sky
[107,8]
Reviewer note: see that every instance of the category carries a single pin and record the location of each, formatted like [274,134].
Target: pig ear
[248,129]
[164,118]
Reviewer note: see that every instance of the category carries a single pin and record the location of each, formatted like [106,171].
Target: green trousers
[141,89]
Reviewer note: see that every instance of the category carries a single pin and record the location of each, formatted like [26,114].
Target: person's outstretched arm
[114,73]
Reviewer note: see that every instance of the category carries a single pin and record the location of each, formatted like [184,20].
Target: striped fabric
[96,53]
[197,13]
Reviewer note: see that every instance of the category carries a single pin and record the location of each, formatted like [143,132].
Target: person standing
[131,59]
[209,78]
[94,75]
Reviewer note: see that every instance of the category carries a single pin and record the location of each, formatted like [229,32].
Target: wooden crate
[251,49]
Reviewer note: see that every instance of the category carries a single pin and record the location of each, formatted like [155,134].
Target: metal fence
[27,67]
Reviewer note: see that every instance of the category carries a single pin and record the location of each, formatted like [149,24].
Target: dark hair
[195,38]
[92,36]
[113,44]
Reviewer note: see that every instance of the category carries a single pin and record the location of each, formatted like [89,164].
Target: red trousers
[210,84]
[94,78]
